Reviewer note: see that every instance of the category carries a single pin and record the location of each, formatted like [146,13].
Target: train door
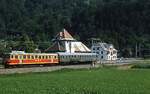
[20,59]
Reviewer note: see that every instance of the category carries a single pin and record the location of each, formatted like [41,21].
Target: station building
[64,42]
[105,51]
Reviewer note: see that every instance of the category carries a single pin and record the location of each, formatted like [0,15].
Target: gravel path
[41,69]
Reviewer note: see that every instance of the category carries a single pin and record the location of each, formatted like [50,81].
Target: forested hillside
[30,24]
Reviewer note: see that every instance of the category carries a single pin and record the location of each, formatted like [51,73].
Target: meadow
[83,81]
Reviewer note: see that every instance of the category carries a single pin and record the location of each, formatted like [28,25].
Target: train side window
[28,57]
[12,56]
[36,57]
[52,56]
[20,57]
[43,57]
[24,56]
[46,57]
[39,57]
[16,56]
[32,57]
[55,57]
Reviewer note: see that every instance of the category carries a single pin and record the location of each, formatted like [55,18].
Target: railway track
[41,69]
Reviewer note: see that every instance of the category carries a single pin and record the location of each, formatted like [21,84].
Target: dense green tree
[124,23]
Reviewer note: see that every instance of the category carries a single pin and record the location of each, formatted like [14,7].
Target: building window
[108,52]
[101,57]
[114,52]
[111,53]
[101,52]
[93,48]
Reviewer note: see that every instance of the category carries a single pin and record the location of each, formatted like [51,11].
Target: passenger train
[16,58]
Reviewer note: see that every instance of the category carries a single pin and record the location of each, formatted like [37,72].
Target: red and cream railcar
[22,58]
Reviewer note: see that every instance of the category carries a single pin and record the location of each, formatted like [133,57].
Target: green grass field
[86,81]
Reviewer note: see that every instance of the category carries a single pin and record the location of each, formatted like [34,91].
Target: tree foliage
[124,23]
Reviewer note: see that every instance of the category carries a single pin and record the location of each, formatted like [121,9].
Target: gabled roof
[105,46]
[64,35]
[56,47]
[80,47]
[61,46]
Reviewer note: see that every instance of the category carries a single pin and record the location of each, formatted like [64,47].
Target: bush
[141,66]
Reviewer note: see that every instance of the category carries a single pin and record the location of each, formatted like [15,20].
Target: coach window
[12,56]
[32,57]
[55,57]
[28,57]
[46,57]
[43,57]
[36,56]
[21,57]
[16,56]
[39,57]
[24,56]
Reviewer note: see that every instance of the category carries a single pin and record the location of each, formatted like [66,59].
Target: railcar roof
[64,53]
[33,53]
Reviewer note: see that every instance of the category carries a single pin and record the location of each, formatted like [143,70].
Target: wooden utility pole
[136,50]
[139,50]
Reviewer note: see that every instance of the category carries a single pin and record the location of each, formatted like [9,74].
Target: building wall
[105,54]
